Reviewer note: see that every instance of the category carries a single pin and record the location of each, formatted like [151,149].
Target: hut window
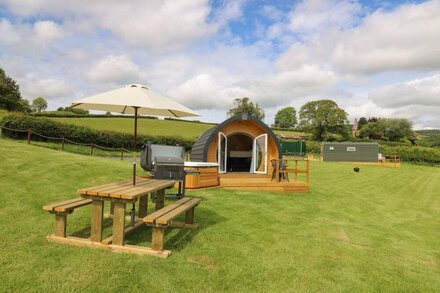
[351,149]
[331,148]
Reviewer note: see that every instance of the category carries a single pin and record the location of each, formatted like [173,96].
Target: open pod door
[222,151]
[259,156]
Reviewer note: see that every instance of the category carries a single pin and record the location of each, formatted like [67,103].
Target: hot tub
[206,175]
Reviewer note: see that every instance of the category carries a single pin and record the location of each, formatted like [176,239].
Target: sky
[374,58]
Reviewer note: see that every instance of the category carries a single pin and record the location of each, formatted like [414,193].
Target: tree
[321,117]
[362,121]
[286,118]
[396,129]
[372,130]
[76,110]
[246,106]
[10,97]
[39,104]
[392,129]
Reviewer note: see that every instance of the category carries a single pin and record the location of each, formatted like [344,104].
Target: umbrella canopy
[134,99]
[125,100]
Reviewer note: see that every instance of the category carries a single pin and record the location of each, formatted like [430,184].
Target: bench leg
[97,215]
[119,223]
[60,225]
[189,217]
[157,238]
[160,199]
[143,206]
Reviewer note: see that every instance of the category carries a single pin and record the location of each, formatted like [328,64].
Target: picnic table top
[126,189]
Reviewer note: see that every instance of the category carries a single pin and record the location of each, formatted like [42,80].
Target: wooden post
[157,238]
[307,172]
[122,153]
[135,143]
[296,170]
[160,199]
[29,136]
[60,225]
[62,143]
[97,214]
[143,206]
[92,146]
[119,223]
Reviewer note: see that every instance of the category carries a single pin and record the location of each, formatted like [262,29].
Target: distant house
[354,129]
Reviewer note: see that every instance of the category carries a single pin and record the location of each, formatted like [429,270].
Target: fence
[62,140]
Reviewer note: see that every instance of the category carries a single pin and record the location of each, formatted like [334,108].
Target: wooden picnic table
[120,194]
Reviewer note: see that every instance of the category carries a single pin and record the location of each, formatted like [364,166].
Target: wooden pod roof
[199,151]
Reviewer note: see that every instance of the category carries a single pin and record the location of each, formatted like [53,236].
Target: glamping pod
[241,153]
[240,144]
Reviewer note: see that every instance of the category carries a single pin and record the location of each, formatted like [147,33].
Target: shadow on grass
[176,239]
[85,232]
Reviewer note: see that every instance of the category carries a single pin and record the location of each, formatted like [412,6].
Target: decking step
[275,184]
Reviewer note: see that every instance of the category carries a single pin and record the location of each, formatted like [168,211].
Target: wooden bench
[62,209]
[163,218]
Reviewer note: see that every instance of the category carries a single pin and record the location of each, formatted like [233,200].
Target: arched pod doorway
[239,144]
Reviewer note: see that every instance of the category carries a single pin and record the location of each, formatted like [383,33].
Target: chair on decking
[282,169]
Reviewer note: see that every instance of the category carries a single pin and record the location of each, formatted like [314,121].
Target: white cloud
[46,31]
[9,34]
[318,15]
[206,91]
[156,24]
[272,13]
[33,85]
[422,92]
[286,86]
[115,69]
[407,38]
[230,11]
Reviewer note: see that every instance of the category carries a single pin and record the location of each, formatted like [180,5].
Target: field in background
[155,127]
[188,130]
[376,230]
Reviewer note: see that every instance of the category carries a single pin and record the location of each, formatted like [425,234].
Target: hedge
[64,114]
[190,121]
[415,154]
[81,134]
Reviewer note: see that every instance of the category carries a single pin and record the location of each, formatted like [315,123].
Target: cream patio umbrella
[134,99]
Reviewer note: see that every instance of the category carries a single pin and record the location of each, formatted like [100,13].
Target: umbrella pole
[135,143]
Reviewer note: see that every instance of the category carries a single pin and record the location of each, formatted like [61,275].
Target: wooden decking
[260,182]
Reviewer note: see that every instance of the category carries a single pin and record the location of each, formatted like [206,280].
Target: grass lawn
[377,230]
[153,127]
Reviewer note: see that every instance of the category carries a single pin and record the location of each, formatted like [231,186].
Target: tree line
[325,120]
